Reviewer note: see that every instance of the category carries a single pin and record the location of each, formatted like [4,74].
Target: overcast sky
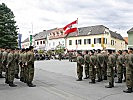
[46,14]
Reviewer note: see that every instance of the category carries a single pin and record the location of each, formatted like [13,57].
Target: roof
[131,30]
[94,30]
[26,40]
[126,40]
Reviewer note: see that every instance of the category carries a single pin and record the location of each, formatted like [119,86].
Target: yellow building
[94,37]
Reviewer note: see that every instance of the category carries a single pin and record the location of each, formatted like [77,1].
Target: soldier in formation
[14,63]
[103,65]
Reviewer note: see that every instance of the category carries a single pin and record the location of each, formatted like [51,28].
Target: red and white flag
[72,27]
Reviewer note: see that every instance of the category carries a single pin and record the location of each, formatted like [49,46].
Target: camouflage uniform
[80,62]
[105,66]
[100,65]
[87,62]
[129,74]
[11,69]
[92,68]
[120,63]
[21,67]
[4,62]
[30,67]
[16,57]
[110,71]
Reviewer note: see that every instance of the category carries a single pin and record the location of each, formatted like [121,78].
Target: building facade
[130,38]
[95,37]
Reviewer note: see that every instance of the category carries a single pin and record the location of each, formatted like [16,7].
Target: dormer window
[89,32]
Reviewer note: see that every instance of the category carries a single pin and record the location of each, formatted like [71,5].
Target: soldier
[120,63]
[105,55]
[87,62]
[80,62]
[16,58]
[115,55]
[4,62]
[125,54]
[30,66]
[92,68]
[129,72]
[100,65]
[21,65]
[70,56]
[11,68]
[110,69]
[1,67]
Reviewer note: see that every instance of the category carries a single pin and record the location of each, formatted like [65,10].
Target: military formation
[106,65]
[19,64]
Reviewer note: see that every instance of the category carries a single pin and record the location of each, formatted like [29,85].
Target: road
[56,80]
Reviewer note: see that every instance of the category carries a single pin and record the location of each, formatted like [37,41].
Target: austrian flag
[72,27]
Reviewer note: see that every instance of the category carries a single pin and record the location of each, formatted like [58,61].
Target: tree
[8,29]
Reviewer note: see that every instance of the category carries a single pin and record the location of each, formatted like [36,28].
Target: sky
[34,16]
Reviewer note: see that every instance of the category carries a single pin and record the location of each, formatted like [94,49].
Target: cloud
[47,14]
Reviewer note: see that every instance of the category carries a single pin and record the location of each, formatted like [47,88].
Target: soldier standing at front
[87,62]
[11,68]
[120,65]
[92,68]
[100,65]
[110,69]
[129,72]
[80,62]
[30,67]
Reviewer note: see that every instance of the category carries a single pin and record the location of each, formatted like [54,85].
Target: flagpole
[77,35]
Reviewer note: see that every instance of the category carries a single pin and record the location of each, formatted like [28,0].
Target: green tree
[8,29]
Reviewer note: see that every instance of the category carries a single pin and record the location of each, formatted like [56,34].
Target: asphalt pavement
[56,80]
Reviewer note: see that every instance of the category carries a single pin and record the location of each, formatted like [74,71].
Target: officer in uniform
[120,63]
[1,68]
[87,62]
[30,66]
[11,68]
[21,65]
[100,65]
[125,54]
[110,69]
[4,63]
[80,62]
[16,58]
[92,68]
[129,72]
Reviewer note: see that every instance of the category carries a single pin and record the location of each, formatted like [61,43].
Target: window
[70,42]
[94,40]
[112,42]
[84,41]
[43,42]
[76,42]
[88,41]
[79,42]
[40,42]
[37,43]
[97,40]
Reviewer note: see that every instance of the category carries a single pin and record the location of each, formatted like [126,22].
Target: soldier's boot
[16,76]
[129,90]
[99,80]
[105,78]
[22,79]
[119,80]
[80,79]
[86,77]
[6,81]
[1,76]
[92,81]
[30,84]
[11,84]
[109,86]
